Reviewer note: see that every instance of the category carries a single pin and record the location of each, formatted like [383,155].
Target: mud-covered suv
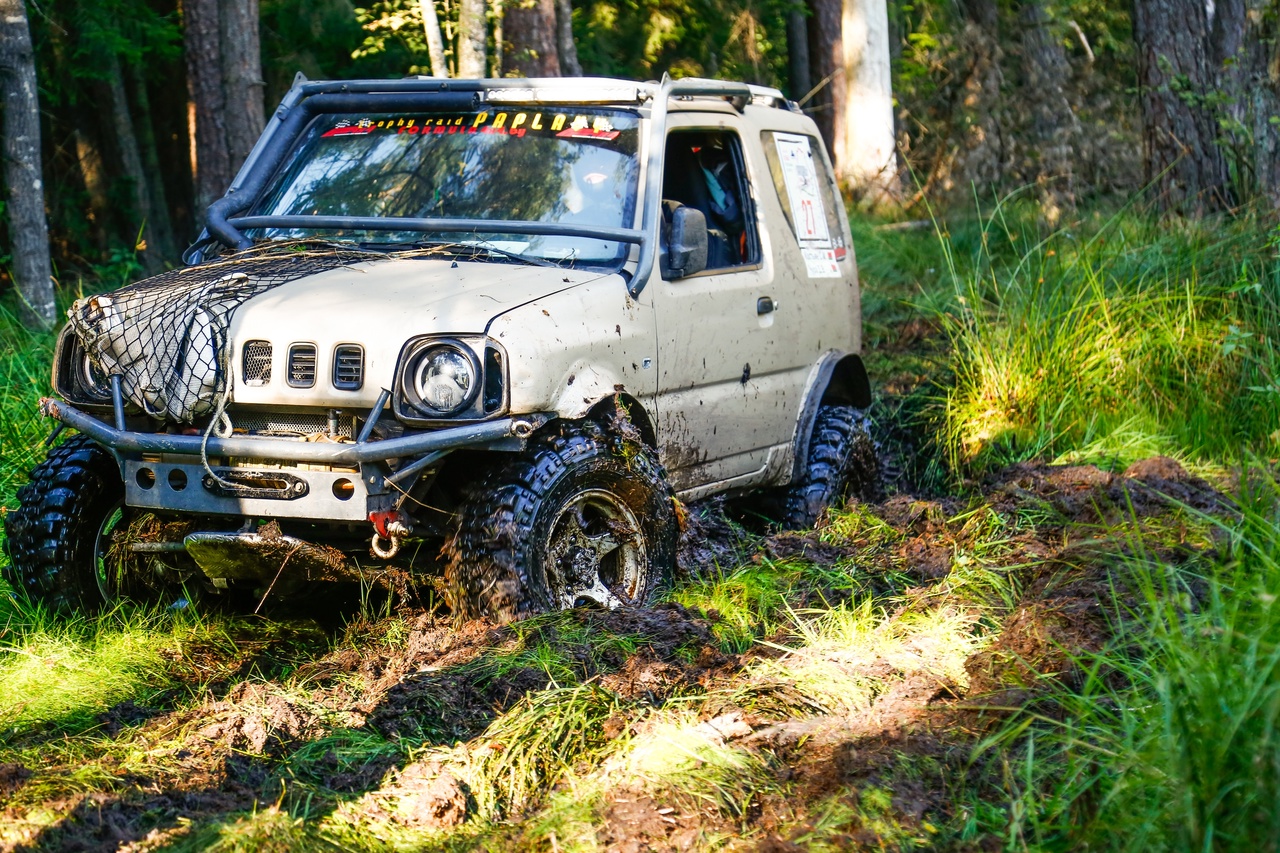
[490,331]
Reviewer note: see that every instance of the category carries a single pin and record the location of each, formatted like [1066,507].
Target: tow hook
[389,530]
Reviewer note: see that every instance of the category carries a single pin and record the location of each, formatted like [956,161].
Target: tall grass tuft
[1173,740]
[25,359]
[1121,338]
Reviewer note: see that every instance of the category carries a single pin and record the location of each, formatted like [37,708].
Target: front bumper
[281,477]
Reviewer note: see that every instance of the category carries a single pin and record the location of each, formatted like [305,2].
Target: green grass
[1111,340]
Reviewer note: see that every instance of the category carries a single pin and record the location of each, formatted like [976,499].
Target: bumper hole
[344,489]
[146,478]
[177,479]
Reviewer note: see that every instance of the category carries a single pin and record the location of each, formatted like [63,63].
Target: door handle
[766,305]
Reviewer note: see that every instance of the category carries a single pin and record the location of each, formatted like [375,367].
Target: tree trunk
[568,49]
[161,240]
[498,42]
[89,159]
[472,33]
[28,230]
[798,55]
[826,59]
[1180,131]
[1054,127]
[241,77]
[979,139]
[530,29]
[866,158]
[211,166]
[131,164]
[435,42]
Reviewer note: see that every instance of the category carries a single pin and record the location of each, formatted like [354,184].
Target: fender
[837,378]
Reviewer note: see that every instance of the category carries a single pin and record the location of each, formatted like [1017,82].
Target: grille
[257,363]
[302,365]
[348,367]
[254,422]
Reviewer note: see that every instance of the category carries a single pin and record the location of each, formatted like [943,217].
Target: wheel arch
[839,378]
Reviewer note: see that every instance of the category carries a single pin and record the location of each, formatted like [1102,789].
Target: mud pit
[386,722]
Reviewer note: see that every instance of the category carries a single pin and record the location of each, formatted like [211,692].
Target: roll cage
[307,99]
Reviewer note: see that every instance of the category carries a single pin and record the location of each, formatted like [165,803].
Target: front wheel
[68,540]
[583,517]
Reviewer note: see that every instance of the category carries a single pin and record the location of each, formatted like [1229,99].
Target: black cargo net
[166,336]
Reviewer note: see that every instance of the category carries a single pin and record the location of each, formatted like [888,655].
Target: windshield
[555,166]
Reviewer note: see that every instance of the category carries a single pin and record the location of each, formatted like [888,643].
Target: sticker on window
[807,211]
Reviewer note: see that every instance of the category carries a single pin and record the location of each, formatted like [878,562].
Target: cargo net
[166,336]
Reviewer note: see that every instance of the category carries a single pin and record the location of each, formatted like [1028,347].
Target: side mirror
[686,244]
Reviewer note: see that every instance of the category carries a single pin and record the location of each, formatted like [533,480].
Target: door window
[704,170]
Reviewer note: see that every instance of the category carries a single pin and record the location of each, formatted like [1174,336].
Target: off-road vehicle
[489,331]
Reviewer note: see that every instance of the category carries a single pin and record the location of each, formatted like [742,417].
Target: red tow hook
[390,527]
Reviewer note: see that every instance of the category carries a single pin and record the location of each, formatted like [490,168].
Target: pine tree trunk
[241,77]
[160,230]
[1054,127]
[565,45]
[530,30]
[472,33]
[866,156]
[979,139]
[1180,131]
[826,60]
[211,166]
[131,164]
[798,74]
[89,159]
[28,230]
[435,42]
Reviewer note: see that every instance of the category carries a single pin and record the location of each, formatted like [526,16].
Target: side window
[704,169]
[804,188]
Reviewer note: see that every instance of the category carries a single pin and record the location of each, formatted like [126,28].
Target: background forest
[1057,628]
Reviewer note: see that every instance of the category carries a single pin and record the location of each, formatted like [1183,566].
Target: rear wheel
[842,463]
[67,541]
[583,517]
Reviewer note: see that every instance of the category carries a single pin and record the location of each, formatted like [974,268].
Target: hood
[379,305]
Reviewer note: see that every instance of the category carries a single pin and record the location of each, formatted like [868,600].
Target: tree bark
[161,240]
[435,42]
[530,30]
[866,157]
[798,74]
[826,59]
[89,159]
[1054,127]
[28,230]
[979,137]
[241,77]
[211,166]
[472,33]
[131,164]
[1180,132]
[565,45]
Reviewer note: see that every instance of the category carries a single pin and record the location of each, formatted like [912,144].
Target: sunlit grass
[1114,341]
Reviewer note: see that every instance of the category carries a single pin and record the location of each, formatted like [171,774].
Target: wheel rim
[596,552]
[103,567]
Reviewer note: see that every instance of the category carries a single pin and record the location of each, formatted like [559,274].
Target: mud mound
[709,539]
[258,719]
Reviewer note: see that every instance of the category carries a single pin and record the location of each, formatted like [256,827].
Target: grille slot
[257,363]
[302,365]
[348,367]
[254,422]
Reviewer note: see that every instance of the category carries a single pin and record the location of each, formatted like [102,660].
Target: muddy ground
[276,713]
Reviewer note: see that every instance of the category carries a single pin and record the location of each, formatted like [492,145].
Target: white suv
[520,319]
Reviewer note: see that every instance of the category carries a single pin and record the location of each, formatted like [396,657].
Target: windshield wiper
[473,249]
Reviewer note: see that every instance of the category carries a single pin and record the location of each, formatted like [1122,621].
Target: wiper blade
[469,248]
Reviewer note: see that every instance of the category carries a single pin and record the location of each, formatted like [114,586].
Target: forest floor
[832,689]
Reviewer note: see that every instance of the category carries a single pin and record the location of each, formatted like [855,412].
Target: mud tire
[842,463]
[51,537]
[498,556]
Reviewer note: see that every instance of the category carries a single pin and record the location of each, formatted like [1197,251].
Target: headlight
[446,379]
[90,379]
